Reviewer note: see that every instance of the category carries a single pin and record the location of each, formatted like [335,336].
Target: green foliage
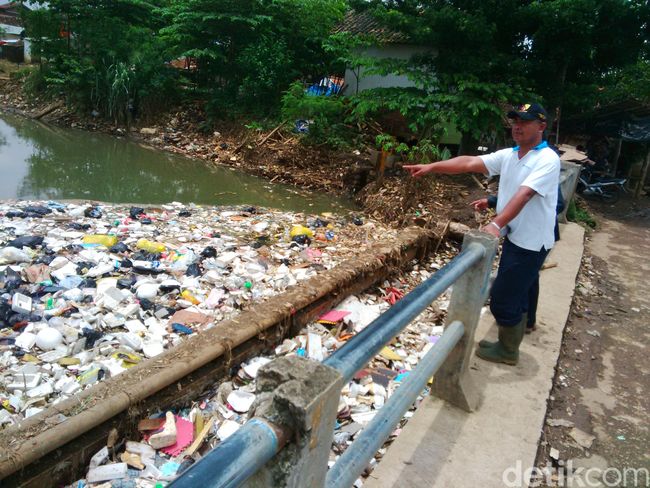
[250,51]
[426,151]
[101,55]
[389,143]
[485,53]
[580,215]
[327,116]
[478,56]
[632,81]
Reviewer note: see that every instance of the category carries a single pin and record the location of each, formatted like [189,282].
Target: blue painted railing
[244,453]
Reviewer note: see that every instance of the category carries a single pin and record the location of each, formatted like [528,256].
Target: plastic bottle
[152,247]
[101,239]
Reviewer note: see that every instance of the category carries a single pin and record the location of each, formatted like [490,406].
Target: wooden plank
[199,439]
[644,175]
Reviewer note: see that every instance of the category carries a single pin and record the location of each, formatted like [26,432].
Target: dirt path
[600,399]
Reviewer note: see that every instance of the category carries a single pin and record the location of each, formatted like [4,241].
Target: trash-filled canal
[43,162]
[90,292]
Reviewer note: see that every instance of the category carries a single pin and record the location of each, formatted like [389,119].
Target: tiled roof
[10,20]
[364,23]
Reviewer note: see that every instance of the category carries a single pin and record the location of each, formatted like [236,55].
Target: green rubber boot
[486,343]
[506,349]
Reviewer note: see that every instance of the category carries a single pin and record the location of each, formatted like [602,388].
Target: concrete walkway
[444,447]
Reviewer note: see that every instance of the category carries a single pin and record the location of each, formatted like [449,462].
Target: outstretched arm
[461,164]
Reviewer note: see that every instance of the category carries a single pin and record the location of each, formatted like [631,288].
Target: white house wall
[356,81]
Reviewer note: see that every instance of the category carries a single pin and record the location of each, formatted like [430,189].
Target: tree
[490,52]
[103,55]
[248,52]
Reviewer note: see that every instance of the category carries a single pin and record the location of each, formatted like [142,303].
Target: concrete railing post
[452,382]
[301,396]
[568,183]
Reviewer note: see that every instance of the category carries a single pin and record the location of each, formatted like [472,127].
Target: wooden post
[617,155]
[453,382]
[644,175]
[381,164]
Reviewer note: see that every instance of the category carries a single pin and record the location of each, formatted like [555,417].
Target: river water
[43,162]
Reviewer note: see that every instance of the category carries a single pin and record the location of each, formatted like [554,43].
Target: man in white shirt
[527,197]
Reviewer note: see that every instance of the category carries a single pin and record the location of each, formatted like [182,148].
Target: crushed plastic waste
[87,291]
[222,410]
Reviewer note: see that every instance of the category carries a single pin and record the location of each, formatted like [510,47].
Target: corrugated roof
[9,14]
[364,23]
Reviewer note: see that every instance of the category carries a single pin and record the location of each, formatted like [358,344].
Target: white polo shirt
[539,169]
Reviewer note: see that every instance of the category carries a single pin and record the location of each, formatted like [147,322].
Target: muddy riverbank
[277,155]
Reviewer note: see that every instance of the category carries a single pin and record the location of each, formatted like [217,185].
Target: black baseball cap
[529,111]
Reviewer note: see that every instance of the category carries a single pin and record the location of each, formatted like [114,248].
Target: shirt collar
[541,145]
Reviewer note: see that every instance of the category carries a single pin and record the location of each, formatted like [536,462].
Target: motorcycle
[605,188]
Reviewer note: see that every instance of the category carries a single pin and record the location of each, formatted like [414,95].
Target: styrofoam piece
[113,297]
[99,458]
[225,259]
[228,428]
[26,341]
[74,295]
[100,269]
[5,417]
[31,411]
[108,472]
[42,390]
[156,328]
[130,339]
[314,347]
[24,382]
[21,303]
[241,401]
[135,326]
[52,356]
[145,451]
[152,348]
[128,310]
[68,269]
[254,365]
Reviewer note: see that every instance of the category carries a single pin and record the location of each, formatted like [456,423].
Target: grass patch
[580,215]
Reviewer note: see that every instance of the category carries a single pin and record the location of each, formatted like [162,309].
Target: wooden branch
[49,109]
[442,237]
[478,182]
[271,134]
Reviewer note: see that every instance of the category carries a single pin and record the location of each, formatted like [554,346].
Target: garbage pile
[88,291]
[172,441]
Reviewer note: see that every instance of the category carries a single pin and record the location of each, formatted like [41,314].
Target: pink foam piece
[184,437]
[334,315]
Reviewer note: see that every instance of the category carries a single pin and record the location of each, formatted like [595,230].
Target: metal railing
[243,458]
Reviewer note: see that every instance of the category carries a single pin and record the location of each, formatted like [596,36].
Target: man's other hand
[492,230]
[480,205]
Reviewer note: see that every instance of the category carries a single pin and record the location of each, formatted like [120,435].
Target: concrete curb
[442,446]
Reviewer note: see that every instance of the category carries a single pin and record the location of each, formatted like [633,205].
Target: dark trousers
[518,274]
[533,297]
